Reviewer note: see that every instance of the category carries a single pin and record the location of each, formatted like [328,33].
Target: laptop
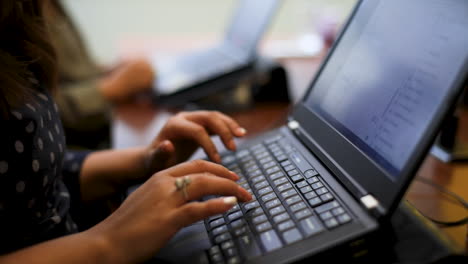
[235,52]
[334,174]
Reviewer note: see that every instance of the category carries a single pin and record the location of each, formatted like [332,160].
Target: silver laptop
[333,175]
[237,50]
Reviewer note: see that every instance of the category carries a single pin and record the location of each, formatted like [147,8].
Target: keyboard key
[281,157]
[292,200]
[242,153]
[217,222]
[284,187]
[281,218]
[338,211]
[300,162]
[298,206]
[256,211]
[230,253]
[217,259]
[289,168]
[315,201]
[344,218]
[272,170]
[310,195]
[235,216]
[310,173]
[312,180]
[331,223]
[258,179]
[268,197]
[325,207]
[227,244]
[292,236]
[265,190]
[306,189]
[221,238]
[263,227]
[317,185]
[273,139]
[248,246]
[276,175]
[261,185]
[321,191]
[303,213]
[233,260]
[270,240]
[259,219]
[214,250]
[240,231]
[301,184]
[277,210]
[268,164]
[272,203]
[311,226]
[286,225]
[285,163]
[326,215]
[251,205]
[219,230]
[292,173]
[326,197]
[280,181]
[288,193]
[297,178]
[228,159]
[236,224]
[214,217]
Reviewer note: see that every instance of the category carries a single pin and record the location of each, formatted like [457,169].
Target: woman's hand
[187,131]
[152,214]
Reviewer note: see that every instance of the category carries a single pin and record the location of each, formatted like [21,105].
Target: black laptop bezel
[351,165]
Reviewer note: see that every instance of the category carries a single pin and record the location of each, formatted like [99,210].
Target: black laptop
[337,170]
[237,51]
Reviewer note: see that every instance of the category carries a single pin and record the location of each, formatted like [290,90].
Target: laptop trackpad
[187,246]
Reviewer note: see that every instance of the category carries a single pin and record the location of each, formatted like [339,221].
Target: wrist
[105,247]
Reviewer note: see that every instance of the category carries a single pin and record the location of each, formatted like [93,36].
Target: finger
[197,133]
[201,166]
[160,156]
[234,126]
[204,184]
[195,211]
[216,125]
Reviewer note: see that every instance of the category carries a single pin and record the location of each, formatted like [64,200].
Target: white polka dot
[75,167]
[60,147]
[45,181]
[3,167]
[49,115]
[64,194]
[52,157]
[31,107]
[57,129]
[30,127]
[43,97]
[56,218]
[35,165]
[19,146]
[40,144]
[51,137]
[55,107]
[20,186]
[18,115]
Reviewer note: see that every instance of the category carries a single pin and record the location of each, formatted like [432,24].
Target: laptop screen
[382,89]
[249,22]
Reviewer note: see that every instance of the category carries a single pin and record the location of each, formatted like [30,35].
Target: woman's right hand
[152,214]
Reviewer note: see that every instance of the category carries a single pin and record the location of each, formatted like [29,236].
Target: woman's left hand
[187,131]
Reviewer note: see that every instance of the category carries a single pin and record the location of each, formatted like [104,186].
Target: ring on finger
[181,185]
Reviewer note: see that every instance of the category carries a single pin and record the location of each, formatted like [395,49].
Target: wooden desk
[137,124]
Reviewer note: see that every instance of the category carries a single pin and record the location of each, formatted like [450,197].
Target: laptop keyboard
[291,203]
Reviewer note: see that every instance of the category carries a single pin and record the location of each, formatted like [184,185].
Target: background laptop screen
[382,89]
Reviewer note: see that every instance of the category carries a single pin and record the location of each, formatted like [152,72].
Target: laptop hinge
[293,124]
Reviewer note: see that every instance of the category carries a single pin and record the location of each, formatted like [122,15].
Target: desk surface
[138,123]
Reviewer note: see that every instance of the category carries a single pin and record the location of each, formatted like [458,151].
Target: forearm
[84,247]
[106,172]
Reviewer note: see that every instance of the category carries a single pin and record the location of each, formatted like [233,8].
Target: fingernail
[231,200]
[232,145]
[242,131]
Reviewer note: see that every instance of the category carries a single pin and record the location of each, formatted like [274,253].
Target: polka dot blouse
[38,177]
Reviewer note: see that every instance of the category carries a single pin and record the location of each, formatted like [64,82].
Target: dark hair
[25,49]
